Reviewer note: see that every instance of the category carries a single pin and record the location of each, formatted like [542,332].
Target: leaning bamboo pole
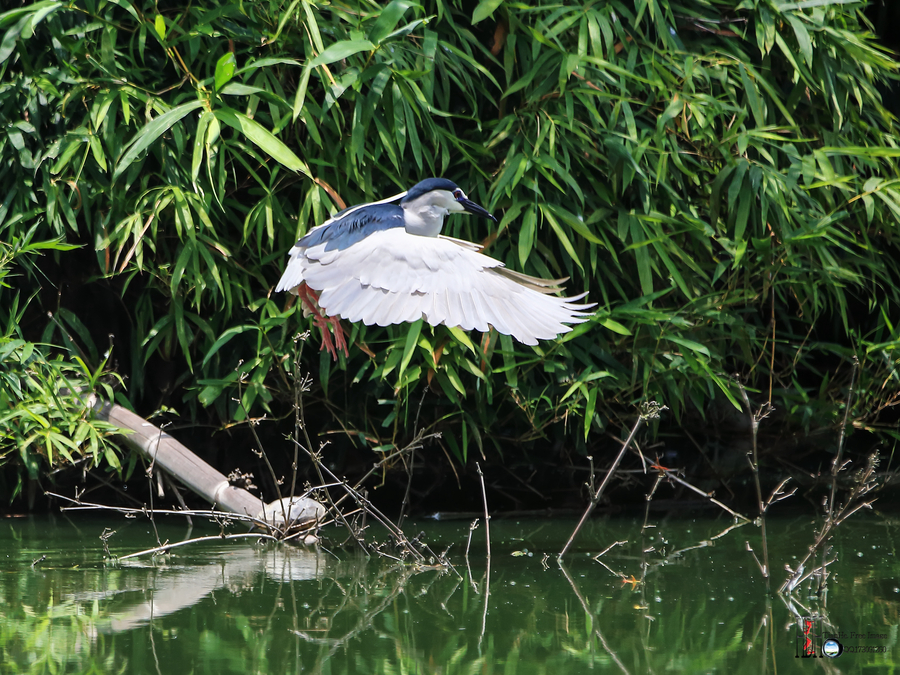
[177,460]
[284,515]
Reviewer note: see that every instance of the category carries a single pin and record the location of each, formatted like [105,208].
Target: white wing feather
[394,277]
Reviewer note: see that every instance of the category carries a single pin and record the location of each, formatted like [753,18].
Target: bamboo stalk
[178,461]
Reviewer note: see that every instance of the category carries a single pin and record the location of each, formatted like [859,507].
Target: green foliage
[43,419]
[720,177]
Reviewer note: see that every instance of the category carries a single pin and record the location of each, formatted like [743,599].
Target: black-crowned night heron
[386,262]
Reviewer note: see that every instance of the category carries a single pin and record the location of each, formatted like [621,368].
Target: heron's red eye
[458,194]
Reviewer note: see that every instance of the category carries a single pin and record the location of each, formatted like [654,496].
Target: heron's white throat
[424,216]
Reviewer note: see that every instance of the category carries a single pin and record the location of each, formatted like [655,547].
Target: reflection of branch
[703,544]
[214,537]
[365,621]
[487,533]
[791,602]
[447,599]
[597,557]
[595,622]
[472,528]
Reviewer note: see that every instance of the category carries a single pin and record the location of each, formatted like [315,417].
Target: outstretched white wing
[392,277]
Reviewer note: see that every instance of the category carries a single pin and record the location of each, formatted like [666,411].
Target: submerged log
[198,476]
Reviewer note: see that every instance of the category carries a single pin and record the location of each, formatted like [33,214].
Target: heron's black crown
[428,185]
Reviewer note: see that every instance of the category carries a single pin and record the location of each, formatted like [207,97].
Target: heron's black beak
[475,209]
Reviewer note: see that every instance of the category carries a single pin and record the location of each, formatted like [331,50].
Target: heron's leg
[310,301]
[321,323]
[340,339]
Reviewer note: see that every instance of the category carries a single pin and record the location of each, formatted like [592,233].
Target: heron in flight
[386,262]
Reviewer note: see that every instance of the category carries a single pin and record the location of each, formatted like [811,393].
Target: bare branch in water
[649,410]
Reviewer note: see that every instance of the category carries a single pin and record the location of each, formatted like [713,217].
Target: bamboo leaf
[753,98]
[31,17]
[262,138]
[159,24]
[462,337]
[689,344]
[301,92]
[225,67]
[589,408]
[809,4]
[199,145]
[484,9]
[388,19]
[561,236]
[803,39]
[151,132]
[225,338]
[97,152]
[526,235]
[341,50]
[743,212]
[614,326]
[182,330]
[412,339]
[312,25]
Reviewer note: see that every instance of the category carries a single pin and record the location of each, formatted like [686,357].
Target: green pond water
[698,602]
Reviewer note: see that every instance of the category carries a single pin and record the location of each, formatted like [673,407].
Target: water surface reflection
[685,595]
